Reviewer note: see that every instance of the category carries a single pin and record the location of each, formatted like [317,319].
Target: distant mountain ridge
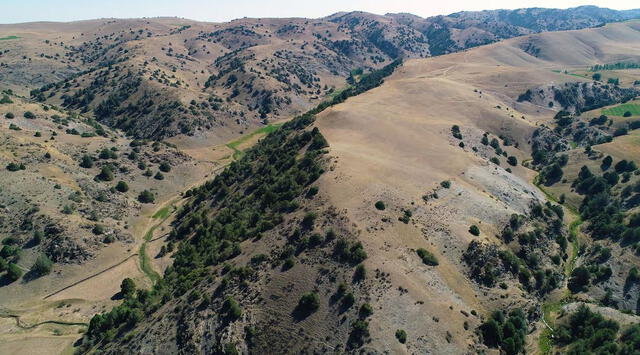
[157,78]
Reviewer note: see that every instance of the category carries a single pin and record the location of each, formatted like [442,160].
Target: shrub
[365,310]
[495,160]
[620,132]
[38,236]
[596,76]
[105,174]
[513,161]
[401,335]
[13,167]
[606,163]
[353,253]
[29,115]
[86,162]
[359,332]
[159,176]
[43,265]
[313,190]
[13,272]
[446,184]
[107,154]
[98,229]
[146,197]
[9,115]
[122,186]
[165,167]
[406,217]
[5,100]
[552,174]
[380,206]
[360,273]
[427,257]
[309,303]
[308,220]
[626,114]
[455,131]
[579,280]
[474,230]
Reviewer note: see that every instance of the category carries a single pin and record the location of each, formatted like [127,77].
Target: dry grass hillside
[403,232]
[86,225]
[156,78]
[394,144]
[397,218]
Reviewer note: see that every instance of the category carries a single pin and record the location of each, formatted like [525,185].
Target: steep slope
[396,144]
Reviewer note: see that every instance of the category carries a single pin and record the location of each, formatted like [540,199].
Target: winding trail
[4,313]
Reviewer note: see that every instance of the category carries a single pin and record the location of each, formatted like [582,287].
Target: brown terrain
[175,91]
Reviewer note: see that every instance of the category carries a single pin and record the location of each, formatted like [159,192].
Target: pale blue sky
[12,11]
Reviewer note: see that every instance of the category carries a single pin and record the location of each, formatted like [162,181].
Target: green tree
[427,257]
[86,162]
[105,174]
[127,288]
[309,303]
[579,279]
[146,196]
[122,186]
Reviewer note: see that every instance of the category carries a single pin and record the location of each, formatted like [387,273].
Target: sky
[15,11]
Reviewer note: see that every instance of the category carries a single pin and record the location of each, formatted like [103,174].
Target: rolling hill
[155,78]
[455,195]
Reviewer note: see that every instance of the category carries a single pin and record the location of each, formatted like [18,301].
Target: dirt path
[89,277]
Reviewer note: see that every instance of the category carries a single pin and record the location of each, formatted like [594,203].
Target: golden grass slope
[394,144]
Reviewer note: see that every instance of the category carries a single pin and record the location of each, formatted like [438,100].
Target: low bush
[427,257]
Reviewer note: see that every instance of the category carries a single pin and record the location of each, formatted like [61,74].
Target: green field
[619,110]
[8,38]
[237,154]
